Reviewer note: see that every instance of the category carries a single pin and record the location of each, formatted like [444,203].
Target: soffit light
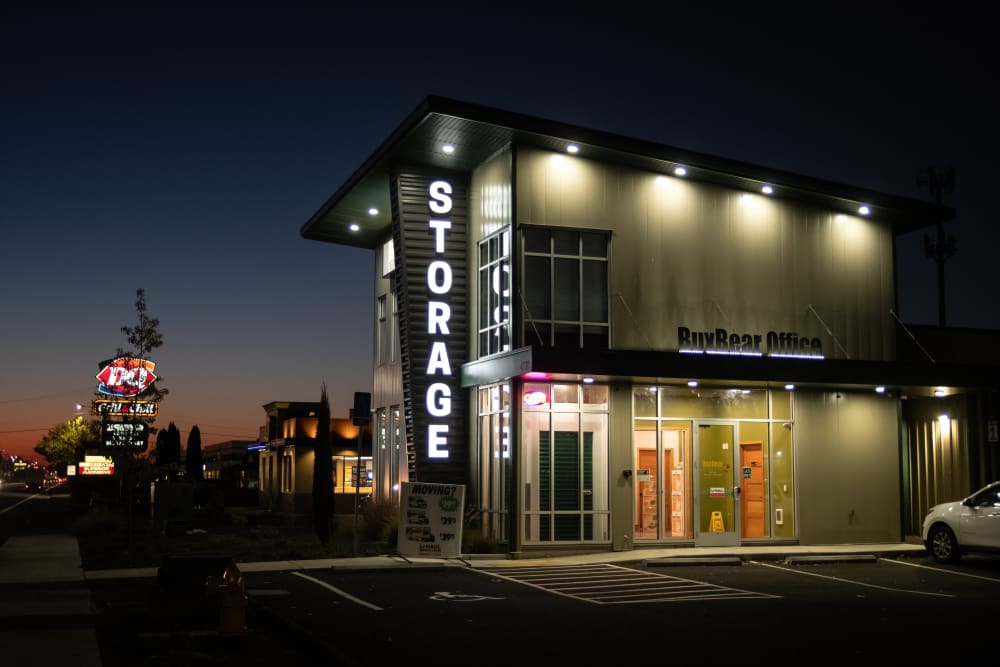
[448,148]
[373,211]
[767,189]
[354,227]
[880,389]
[864,210]
[939,392]
[692,383]
[680,171]
[573,148]
[789,386]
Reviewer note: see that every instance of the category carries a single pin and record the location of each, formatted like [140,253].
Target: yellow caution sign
[716,525]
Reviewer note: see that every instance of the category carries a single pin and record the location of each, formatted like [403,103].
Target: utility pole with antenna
[937,181]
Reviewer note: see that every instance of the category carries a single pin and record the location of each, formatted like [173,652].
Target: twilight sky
[182,152]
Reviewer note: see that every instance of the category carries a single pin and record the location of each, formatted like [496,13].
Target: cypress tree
[322,491]
[193,458]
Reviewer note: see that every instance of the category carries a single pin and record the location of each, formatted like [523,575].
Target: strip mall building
[616,344]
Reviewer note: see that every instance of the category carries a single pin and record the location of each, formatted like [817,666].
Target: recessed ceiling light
[373,211]
[692,383]
[789,386]
[767,189]
[354,227]
[939,392]
[864,210]
[573,148]
[588,380]
[880,389]
[448,148]
[680,171]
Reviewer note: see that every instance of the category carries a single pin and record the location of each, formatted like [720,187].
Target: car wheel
[942,544]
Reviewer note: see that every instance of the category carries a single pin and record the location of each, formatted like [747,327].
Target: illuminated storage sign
[126,376]
[110,407]
[439,282]
[431,249]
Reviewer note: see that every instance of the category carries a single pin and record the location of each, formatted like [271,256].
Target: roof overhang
[478,132]
[646,367]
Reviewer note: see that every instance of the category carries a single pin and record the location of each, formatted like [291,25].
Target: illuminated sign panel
[126,376]
[103,406]
[126,435]
[773,343]
[430,235]
[439,281]
[103,466]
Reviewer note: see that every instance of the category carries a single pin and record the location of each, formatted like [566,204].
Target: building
[614,343]
[233,466]
[288,456]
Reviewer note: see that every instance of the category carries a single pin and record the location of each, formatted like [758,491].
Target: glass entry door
[716,492]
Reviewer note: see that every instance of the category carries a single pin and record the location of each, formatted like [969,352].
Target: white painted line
[941,569]
[7,509]
[339,592]
[850,581]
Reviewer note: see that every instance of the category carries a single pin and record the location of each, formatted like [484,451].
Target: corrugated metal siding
[414,251]
[702,256]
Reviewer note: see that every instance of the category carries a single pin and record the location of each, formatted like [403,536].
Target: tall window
[494,294]
[565,287]
[383,344]
[565,483]
[494,459]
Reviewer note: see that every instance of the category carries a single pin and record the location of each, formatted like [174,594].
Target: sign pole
[357,494]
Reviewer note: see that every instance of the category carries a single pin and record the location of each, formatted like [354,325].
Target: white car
[964,526]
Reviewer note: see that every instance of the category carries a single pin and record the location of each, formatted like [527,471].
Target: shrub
[380,520]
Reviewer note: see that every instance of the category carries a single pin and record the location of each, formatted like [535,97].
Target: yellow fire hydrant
[231,597]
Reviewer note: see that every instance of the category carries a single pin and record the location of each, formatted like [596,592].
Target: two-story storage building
[615,343]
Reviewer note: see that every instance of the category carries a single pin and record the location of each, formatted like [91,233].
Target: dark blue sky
[180,151]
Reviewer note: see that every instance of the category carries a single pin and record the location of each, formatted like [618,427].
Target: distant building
[234,467]
[288,455]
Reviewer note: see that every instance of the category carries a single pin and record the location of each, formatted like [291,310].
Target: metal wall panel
[702,256]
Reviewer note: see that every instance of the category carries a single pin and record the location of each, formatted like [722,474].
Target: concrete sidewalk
[48,614]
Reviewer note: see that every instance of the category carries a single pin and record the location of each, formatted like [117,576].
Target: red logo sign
[126,376]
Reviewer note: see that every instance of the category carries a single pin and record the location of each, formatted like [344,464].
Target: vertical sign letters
[439,279]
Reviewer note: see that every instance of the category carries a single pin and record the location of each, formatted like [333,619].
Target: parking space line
[850,581]
[339,592]
[942,569]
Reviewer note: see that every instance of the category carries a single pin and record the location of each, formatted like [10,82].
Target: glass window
[565,484]
[494,294]
[565,295]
